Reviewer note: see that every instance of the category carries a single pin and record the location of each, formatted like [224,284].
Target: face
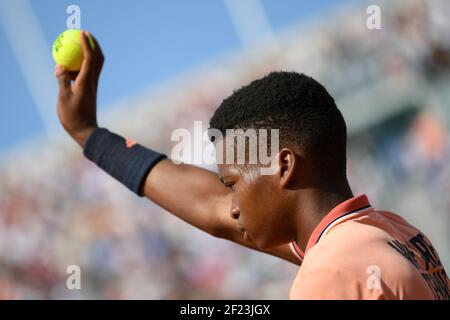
[261,205]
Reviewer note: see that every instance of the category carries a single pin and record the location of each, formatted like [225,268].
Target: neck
[313,206]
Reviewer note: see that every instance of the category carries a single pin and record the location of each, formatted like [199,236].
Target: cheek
[255,207]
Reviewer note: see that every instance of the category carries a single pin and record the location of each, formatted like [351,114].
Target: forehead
[235,152]
[222,153]
[223,146]
[228,169]
[232,161]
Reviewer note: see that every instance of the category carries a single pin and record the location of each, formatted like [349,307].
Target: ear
[287,164]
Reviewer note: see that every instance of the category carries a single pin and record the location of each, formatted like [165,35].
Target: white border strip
[344,217]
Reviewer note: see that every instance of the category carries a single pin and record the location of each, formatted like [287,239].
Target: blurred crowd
[57,209]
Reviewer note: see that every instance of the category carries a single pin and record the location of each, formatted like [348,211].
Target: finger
[88,62]
[73,75]
[97,51]
[65,89]
[97,54]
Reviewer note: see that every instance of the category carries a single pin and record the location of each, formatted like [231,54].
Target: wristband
[123,159]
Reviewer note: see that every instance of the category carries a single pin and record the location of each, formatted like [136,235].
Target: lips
[245,233]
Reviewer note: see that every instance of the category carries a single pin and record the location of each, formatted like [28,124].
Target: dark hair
[300,107]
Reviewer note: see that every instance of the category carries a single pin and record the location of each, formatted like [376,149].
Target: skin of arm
[198,197]
[192,194]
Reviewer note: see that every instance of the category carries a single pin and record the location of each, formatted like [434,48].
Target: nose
[235,213]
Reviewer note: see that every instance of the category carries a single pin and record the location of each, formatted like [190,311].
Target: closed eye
[229,185]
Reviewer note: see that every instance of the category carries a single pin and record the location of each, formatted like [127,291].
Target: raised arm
[193,194]
[197,196]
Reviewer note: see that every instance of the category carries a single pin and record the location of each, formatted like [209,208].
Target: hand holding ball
[68,51]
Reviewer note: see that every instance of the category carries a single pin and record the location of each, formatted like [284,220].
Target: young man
[305,212]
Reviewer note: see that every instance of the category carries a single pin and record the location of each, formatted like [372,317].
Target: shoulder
[348,243]
[352,261]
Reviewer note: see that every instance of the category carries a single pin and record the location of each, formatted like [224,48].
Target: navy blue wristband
[124,159]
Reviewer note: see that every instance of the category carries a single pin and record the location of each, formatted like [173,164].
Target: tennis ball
[68,51]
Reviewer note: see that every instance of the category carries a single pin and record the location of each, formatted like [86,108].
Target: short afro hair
[300,107]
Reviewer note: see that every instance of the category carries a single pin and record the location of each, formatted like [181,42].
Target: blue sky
[144,42]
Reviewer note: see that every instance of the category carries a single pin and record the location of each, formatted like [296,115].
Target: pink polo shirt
[357,252]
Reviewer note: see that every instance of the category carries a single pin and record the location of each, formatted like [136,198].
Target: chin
[264,243]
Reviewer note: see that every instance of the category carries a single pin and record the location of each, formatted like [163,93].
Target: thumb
[65,88]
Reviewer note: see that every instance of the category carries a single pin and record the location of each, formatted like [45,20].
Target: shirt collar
[345,210]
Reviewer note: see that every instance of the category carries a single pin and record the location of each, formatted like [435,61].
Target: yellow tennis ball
[68,51]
